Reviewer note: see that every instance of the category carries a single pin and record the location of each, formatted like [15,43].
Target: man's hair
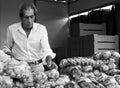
[25,6]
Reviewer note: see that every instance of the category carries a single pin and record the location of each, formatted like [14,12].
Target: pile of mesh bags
[96,71]
[18,74]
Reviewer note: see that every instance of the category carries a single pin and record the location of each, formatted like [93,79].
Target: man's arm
[9,43]
[45,46]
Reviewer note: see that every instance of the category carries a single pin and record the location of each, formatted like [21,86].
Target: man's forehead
[29,11]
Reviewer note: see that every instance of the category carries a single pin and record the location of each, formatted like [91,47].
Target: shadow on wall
[57,28]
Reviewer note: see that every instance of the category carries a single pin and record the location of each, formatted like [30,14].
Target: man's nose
[29,19]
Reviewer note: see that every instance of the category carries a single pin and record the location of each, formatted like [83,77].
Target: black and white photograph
[59,44]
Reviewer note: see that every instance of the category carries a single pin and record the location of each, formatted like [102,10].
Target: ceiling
[60,1]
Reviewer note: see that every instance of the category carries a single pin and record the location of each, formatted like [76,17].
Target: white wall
[8,15]
[83,5]
[55,17]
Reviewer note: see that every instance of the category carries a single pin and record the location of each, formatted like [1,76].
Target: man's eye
[32,16]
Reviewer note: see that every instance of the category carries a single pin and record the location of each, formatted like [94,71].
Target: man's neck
[26,29]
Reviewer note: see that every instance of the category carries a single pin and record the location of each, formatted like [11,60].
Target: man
[28,41]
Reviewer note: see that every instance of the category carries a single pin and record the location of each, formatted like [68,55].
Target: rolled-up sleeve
[8,43]
[45,46]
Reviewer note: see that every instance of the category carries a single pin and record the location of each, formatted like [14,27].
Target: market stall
[96,71]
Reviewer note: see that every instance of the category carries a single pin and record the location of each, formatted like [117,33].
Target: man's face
[28,18]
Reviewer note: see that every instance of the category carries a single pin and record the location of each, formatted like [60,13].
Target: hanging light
[86,13]
[60,1]
[107,7]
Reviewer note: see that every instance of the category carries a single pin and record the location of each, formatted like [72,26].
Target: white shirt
[34,47]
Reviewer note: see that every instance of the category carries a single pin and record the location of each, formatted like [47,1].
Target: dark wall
[117,12]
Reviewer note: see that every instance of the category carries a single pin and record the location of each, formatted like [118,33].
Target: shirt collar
[34,27]
[22,30]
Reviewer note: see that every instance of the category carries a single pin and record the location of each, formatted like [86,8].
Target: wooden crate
[98,43]
[82,29]
[90,44]
[87,29]
[106,42]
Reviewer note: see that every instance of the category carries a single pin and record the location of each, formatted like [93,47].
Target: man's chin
[29,27]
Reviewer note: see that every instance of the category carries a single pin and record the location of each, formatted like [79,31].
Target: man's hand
[48,60]
[53,66]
